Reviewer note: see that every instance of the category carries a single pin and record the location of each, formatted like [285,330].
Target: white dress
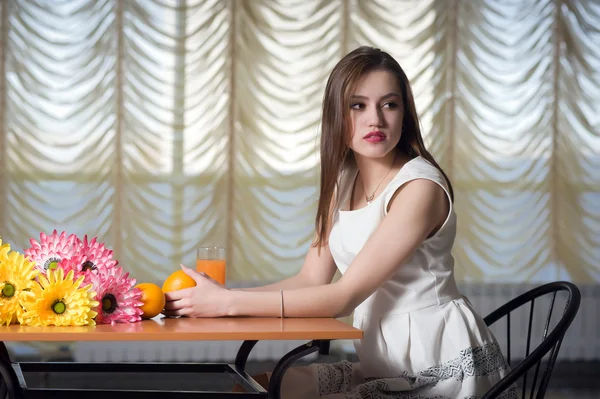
[422,339]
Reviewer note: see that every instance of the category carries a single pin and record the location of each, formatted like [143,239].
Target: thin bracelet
[281,294]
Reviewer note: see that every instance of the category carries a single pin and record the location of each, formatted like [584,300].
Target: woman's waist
[392,301]
[400,308]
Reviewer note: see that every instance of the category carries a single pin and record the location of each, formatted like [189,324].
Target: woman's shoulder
[417,168]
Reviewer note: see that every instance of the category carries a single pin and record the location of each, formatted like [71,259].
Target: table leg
[243,353]
[10,382]
[288,360]
[4,351]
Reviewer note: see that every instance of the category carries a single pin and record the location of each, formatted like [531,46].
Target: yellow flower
[4,250]
[17,276]
[60,301]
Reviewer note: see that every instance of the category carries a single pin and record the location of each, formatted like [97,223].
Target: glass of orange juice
[211,260]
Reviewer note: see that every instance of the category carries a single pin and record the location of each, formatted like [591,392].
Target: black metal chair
[551,338]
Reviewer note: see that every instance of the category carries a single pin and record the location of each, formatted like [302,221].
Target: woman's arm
[296,281]
[211,299]
[318,269]
[418,208]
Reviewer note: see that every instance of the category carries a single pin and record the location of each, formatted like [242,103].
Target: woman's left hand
[207,299]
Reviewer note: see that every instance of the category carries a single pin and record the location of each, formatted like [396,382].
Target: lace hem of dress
[471,362]
[510,394]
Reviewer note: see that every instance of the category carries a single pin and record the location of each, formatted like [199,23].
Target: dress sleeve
[417,169]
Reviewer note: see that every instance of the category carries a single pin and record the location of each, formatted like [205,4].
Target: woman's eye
[390,105]
[357,106]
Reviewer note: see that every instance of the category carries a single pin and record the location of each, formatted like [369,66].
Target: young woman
[385,219]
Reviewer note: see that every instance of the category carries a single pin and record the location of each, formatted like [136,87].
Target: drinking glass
[211,260]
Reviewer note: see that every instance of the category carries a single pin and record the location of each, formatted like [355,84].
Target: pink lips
[375,136]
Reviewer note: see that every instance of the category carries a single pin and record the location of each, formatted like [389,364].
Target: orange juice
[214,268]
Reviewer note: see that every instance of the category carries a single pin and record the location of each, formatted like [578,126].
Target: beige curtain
[163,125]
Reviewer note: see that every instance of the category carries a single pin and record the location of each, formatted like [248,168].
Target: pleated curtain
[159,126]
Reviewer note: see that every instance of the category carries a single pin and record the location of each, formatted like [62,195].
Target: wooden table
[318,332]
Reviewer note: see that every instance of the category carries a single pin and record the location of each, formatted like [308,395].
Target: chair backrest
[551,336]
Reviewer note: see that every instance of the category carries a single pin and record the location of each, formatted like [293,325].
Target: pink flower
[94,250]
[118,301]
[96,257]
[81,266]
[51,250]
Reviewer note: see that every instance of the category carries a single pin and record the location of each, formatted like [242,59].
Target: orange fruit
[153,300]
[178,281]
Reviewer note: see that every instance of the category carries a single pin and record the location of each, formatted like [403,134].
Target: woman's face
[376,111]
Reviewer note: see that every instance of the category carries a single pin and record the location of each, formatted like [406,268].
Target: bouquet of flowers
[65,281]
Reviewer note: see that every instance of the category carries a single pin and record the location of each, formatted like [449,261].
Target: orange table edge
[188,329]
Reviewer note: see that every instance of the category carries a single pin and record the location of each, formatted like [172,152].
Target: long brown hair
[336,125]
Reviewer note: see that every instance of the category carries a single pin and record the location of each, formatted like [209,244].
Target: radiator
[582,341]
[186,351]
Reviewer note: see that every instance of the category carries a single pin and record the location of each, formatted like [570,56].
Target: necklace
[369,198]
